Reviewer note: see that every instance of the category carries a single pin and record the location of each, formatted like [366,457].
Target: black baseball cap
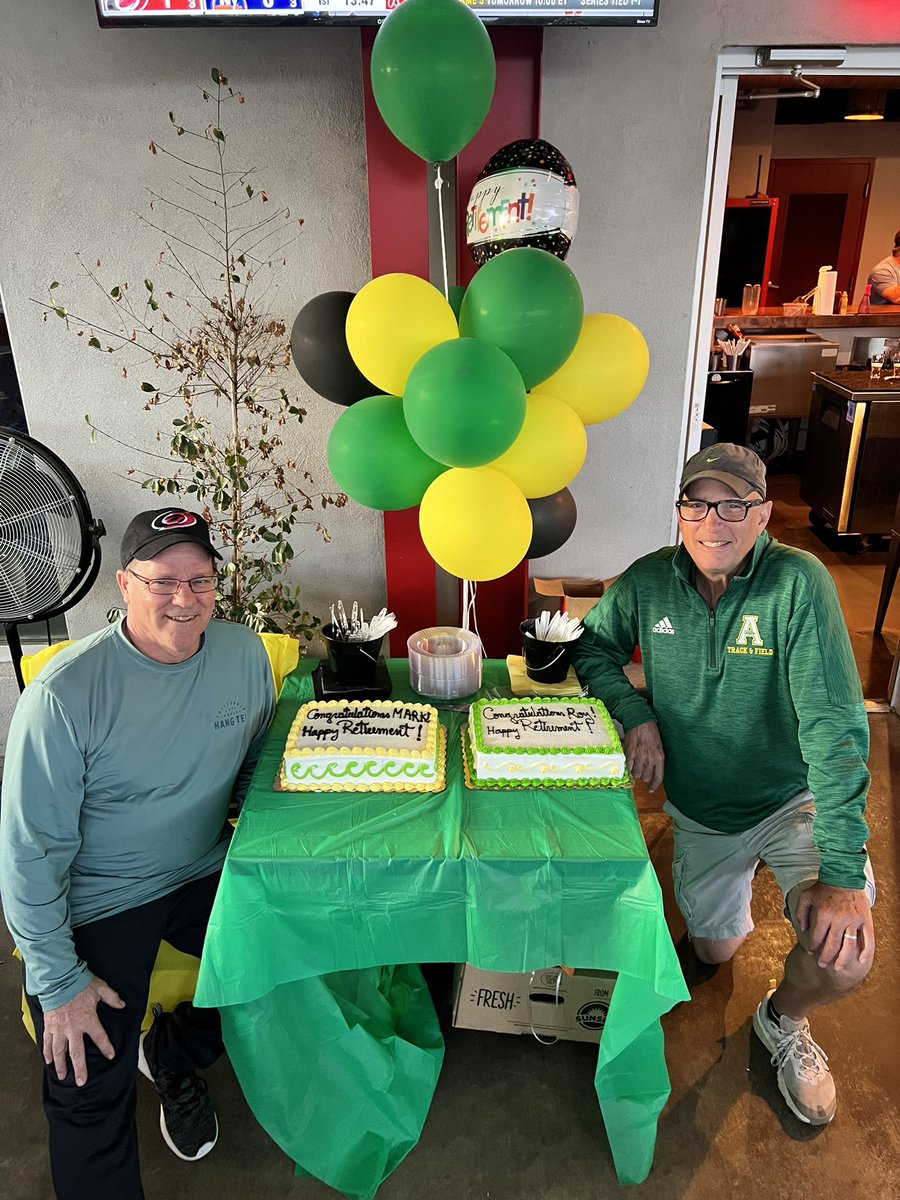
[151,532]
[737,467]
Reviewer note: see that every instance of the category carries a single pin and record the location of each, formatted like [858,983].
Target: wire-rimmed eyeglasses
[168,587]
[726,510]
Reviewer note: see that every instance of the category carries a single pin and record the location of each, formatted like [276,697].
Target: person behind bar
[884,278]
[123,757]
[754,719]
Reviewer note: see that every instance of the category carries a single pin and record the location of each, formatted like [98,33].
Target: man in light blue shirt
[123,757]
[884,277]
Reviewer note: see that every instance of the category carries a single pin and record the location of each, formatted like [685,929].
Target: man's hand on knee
[835,925]
[66,1027]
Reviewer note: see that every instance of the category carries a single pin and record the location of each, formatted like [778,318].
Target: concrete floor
[514,1120]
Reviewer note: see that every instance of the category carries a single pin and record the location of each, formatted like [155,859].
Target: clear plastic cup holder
[444,663]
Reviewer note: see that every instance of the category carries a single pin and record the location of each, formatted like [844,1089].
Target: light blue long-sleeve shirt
[118,776]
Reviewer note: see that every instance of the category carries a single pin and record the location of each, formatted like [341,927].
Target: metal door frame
[735,61]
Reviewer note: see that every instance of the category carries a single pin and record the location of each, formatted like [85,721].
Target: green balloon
[464,402]
[528,303]
[455,296]
[433,76]
[374,459]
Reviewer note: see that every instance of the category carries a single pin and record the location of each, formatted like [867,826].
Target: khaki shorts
[713,872]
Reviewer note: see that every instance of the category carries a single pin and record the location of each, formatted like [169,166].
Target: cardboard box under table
[329,901]
[551,1003]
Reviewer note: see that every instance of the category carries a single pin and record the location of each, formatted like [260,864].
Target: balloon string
[470,615]
[439,186]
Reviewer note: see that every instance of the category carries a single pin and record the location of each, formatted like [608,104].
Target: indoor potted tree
[202,343]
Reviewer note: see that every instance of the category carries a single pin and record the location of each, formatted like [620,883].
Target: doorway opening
[854,247]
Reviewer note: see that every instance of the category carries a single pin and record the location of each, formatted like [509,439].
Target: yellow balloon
[549,451]
[605,372]
[475,523]
[391,322]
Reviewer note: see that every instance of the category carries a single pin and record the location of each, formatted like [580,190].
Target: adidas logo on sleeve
[664,626]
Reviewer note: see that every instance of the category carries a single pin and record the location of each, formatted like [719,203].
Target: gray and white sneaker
[803,1075]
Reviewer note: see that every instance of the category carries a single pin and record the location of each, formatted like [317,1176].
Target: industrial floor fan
[49,542]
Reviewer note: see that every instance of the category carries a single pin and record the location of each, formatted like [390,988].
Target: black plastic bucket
[545,662]
[352,663]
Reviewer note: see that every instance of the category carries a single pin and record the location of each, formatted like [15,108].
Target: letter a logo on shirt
[749,631]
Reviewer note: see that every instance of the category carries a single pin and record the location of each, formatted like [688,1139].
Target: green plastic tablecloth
[336,1046]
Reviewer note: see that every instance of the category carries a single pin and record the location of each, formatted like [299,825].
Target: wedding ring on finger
[850,937]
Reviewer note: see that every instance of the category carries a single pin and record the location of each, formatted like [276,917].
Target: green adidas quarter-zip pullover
[755,700]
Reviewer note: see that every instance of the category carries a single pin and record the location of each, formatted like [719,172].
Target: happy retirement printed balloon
[433,75]
[524,196]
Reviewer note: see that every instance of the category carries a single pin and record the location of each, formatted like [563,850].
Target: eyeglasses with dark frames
[168,587]
[726,510]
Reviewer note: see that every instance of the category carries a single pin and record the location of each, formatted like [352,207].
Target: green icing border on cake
[299,772]
[502,785]
[614,747]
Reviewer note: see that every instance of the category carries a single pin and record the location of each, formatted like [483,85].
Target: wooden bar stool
[890,571]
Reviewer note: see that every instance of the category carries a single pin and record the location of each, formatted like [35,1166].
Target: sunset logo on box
[592,1015]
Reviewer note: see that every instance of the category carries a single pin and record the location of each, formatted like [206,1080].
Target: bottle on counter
[842,306]
[865,303]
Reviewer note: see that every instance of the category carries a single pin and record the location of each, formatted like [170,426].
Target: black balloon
[319,350]
[553,519]
[524,196]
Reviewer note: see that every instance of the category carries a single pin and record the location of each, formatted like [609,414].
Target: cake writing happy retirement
[363,746]
[536,742]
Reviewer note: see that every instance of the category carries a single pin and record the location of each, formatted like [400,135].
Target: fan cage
[45,546]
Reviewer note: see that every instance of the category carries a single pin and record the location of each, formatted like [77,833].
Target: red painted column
[398,228]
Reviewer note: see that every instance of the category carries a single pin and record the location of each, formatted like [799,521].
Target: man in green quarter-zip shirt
[754,718]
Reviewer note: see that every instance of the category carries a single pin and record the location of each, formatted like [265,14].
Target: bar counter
[883,317]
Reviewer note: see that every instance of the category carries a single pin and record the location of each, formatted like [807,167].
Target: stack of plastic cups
[444,663]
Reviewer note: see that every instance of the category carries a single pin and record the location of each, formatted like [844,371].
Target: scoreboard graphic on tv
[145,12]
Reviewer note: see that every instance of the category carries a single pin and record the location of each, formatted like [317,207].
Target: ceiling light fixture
[866,105]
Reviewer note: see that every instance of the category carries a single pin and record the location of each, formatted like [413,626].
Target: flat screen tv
[114,14]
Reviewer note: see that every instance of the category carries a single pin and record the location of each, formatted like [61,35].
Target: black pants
[93,1138]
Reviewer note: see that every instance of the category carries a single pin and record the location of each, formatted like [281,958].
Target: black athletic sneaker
[186,1115]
